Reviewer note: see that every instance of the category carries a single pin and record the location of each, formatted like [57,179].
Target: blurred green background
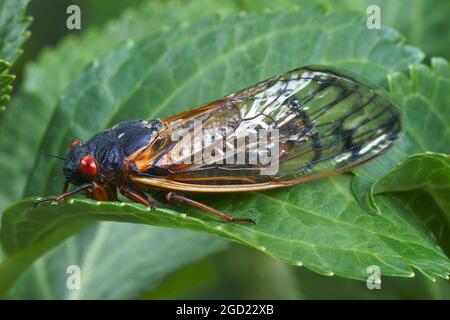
[239,272]
[424,23]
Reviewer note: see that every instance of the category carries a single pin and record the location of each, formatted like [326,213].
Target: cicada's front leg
[65,193]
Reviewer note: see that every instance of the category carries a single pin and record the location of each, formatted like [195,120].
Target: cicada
[306,124]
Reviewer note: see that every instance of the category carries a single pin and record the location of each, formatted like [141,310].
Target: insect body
[303,125]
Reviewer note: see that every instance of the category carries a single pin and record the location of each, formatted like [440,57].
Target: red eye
[88,166]
[74,143]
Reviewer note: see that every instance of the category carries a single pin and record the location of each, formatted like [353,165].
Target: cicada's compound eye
[88,166]
[74,143]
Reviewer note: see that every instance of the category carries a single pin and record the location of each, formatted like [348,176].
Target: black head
[99,159]
[79,167]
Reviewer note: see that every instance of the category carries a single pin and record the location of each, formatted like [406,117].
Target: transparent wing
[317,122]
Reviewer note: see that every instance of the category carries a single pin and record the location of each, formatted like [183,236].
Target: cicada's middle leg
[137,196]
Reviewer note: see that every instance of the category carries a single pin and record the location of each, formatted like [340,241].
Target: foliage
[13,33]
[132,261]
[165,67]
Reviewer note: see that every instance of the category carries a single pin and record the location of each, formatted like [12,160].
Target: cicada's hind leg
[137,196]
[172,197]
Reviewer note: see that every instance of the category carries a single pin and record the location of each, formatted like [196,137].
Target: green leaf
[338,237]
[429,172]
[13,28]
[423,97]
[319,225]
[44,83]
[316,287]
[423,181]
[164,86]
[123,266]
[5,83]
[46,80]
[286,282]
[403,15]
[68,62]
[13,33]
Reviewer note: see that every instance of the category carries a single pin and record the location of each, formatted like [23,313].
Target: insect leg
[65,186]
[136,196]
[64,194]
[173,197]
